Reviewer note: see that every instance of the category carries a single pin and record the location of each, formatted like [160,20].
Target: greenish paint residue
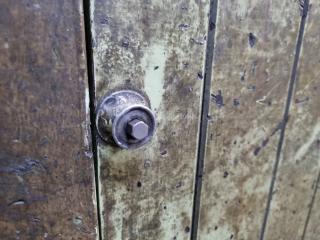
[154,65]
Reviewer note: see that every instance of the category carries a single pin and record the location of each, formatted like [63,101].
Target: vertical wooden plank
[46,169]
[311,225]
[254,52]
[294,194]
[156,47]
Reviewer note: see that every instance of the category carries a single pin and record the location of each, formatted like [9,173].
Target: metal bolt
[137,129]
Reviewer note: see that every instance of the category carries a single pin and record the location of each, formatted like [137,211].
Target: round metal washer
[119,126]
[116,111]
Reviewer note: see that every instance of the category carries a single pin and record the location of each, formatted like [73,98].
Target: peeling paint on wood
[255,46]
[295,207]
[46,172]
[156,47]
[154,62]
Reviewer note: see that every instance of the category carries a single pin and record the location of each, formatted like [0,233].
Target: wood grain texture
[46,169]
[156,47]
[295,189]
[254,52]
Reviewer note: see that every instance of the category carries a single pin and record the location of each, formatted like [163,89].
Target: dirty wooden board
[156,47]
[300,164]
[254,52]
[46,170]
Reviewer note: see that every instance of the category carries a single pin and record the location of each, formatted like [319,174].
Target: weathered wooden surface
[157,47]
[297,180]
[255,46]
[46,170]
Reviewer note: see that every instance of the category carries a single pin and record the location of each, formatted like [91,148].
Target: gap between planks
[204,117]
[90,72]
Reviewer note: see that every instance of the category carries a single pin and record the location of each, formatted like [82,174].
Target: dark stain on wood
[252,39]
[46,172]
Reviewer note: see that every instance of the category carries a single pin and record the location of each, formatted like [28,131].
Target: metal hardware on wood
[138,129]
[124,117]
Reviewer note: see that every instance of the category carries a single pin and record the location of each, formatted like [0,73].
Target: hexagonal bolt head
[137,129]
